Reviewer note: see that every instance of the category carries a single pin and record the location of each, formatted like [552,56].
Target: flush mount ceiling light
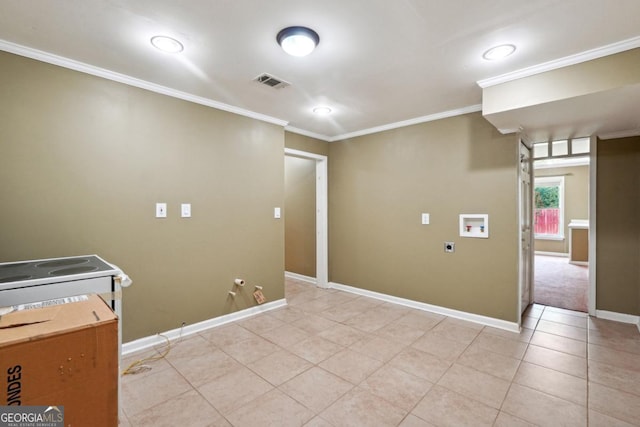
[499,52]
[322,111]
[167,44]
[298,41]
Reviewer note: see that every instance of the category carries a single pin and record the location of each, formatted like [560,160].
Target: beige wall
[576,203]
[606,73]
[83,161]
[305,143]
[380,184]
[300,216]
[618,228]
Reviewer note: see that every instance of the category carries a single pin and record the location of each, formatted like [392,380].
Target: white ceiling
[378,62]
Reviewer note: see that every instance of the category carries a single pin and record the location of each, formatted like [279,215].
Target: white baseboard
[558,254]
[619,317]
[475,318]
[150,341]
[300,277]
[579,263]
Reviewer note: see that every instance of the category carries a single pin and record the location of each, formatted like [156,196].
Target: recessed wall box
[474,225]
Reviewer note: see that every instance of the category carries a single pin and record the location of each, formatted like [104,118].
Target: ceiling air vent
[271,81]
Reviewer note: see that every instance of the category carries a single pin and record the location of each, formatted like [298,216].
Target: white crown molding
[577,58]
[155,340]
[415,121]
[620,134]
[463,315]
[142,84]
[307,133]
[131,81]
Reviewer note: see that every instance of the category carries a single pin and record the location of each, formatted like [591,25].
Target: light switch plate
[277,213]
[161,210]
[185,210]
[425,219]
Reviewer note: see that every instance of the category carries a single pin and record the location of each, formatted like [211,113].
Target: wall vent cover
[271,81]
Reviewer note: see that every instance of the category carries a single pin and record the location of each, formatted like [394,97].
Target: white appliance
[47,279]
[34,281]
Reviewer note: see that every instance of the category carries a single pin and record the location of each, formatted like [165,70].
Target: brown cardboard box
[63,355]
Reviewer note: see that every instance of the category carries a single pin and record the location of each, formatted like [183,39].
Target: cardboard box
[62,355]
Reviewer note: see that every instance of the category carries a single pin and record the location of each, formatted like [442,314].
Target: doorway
[561,211]
[559,283]
[319,169]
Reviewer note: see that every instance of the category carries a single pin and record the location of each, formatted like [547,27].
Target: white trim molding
[558,254]
[300,277]
[578,58]
[585,263]
[154,340]
[82,67]
[620,134]
[619,317]
[593,224]
[463,315]
[389,126]
[423,119]
[310,134]
[304,154]
[322,213]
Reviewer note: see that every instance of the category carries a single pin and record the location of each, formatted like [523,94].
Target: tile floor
[332,358]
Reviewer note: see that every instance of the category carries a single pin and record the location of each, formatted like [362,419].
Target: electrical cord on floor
[141,365]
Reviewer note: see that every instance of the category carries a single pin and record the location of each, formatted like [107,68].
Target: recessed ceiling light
[322,111]
[298,41]
[167,44]
[499,52]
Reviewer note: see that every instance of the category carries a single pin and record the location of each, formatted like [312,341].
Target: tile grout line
[516,373]
[455,360]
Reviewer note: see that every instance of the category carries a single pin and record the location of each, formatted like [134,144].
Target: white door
[526,215]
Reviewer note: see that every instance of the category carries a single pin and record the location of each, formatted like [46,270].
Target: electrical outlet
[161,210]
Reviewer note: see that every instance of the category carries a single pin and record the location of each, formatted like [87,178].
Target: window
[580,146]
[561,148]
[549,208]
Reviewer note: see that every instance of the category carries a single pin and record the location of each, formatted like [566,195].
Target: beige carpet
[560,284]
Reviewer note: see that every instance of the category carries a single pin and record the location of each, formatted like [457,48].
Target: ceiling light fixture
[298,41]
[167,44]
[499,52]
[322,111]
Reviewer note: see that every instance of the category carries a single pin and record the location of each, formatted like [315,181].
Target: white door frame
[523,140]
[322,240]
[593,158]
